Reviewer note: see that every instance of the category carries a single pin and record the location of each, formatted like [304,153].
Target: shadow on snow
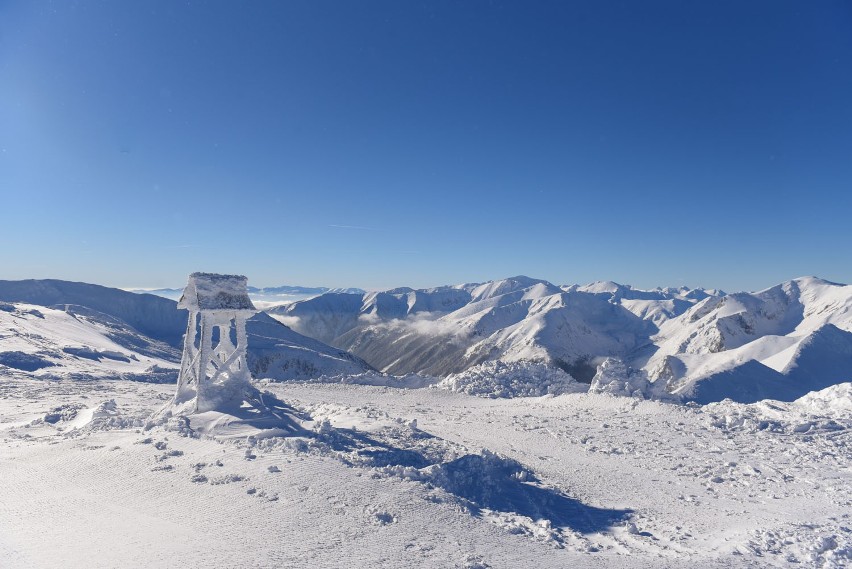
[480,481]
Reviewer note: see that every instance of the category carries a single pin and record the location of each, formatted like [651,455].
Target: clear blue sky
[381,144]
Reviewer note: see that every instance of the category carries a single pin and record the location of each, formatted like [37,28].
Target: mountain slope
[277,352]
[785,340]
[274,351]
[79,343]
[799,329]
[150,315]
[449,329]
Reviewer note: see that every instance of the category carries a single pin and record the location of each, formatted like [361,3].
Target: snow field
[697,490]
[424,478]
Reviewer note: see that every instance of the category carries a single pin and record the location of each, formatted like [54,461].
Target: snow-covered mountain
[657,305]
[63,329]
[71,341]
[448,329]
[148,314]
[701,344]
[794,337]
[277,352]
[698,344]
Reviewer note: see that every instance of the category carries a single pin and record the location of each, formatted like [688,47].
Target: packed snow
[376,476]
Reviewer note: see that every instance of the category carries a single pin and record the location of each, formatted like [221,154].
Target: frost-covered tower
[213,368]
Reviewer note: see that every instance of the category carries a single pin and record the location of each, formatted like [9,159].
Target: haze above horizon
[384,144]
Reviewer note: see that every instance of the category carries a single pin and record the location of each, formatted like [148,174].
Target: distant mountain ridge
[273,294]
[519,318]
[702,344]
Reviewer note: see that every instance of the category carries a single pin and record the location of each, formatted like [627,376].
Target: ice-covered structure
[213,368]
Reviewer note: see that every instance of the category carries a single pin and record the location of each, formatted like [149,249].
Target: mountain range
[703,344]
[694,344]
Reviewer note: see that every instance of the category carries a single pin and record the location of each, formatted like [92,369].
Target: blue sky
[380,144]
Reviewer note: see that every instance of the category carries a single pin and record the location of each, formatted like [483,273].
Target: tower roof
[210,291]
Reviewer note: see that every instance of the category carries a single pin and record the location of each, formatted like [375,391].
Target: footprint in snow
[262,494]
[169,454]
[227,479]
[383,518]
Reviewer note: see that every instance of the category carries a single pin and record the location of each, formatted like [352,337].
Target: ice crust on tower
[210,291]
[213,371]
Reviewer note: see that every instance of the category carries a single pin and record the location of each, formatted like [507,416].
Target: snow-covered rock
[834,401]
[615,378]
[512,379]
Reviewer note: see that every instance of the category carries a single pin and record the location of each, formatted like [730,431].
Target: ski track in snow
[726,485]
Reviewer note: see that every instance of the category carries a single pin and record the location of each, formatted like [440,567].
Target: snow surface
[383,477]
